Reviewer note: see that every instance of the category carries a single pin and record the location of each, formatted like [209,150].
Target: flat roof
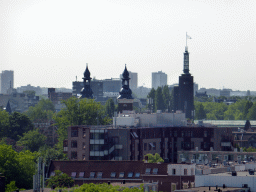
[239,174]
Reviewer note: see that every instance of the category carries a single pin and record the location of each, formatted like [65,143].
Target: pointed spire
[125,91]
[87,91]
[8,107]
[87,73]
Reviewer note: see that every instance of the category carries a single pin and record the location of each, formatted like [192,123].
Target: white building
[130,118]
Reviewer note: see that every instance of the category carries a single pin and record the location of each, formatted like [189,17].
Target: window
[84,158]
[92,174]
[149,146]
[81,174]
[73,144]
[113,175]
[185,172]
[73,174]
[192,171]
[99,175]
[192,135]
[155,171]
[182,133]
[84,133]
[174,171]
[130,174]
[214,156]
[121,175]
[175,134]
[137,175]
[148,170]
[145,146]
[154,146]
[205,133]
[74,132]
[84,146]
[73,155]
[170,133]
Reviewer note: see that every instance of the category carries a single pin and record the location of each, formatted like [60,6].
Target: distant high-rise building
[133,80]
[159,79]
[6,78]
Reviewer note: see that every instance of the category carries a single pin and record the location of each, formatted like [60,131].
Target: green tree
[32,140]
[151,97]
[247,106]
[4,123]
[167,98]
[49,153]
[154,158]
[200,112]
[18,167]
[252,112]
[159,100]
[106,188]
[41,112]
[79,112]
[110,107]
[18,124]
[60,180]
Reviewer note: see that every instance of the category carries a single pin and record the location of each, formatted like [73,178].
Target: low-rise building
[158,177]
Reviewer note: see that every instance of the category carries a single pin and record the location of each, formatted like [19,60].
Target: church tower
[87,91]
[125,99]
[186,89]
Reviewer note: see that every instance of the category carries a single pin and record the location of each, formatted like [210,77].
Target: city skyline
[48,43]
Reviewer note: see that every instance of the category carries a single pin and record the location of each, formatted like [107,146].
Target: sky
[48,42]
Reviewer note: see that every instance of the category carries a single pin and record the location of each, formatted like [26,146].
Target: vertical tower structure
[186,89]
[125,99]
[87,91]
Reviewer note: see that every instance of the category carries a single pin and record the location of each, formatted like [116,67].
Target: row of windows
[147,134]
[100,174]
[74,132]
[74,144]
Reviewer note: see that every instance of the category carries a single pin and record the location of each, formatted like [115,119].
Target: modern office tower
[186,89]
[159,79]
[133,80]
[7,79]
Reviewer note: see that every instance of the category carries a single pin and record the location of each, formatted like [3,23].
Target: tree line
[160,99]
[243,109]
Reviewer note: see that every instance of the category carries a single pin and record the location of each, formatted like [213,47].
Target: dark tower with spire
[87,91]
[125,99]
[186,89]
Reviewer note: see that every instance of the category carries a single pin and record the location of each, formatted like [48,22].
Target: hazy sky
[48,42]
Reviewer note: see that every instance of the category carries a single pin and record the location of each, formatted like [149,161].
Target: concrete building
[38,90]
[133,80]
[159,79]
[6,80]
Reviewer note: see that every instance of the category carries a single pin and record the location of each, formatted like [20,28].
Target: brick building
[129,143]
[167,177]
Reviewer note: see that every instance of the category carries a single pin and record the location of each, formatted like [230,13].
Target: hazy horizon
[48,43]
